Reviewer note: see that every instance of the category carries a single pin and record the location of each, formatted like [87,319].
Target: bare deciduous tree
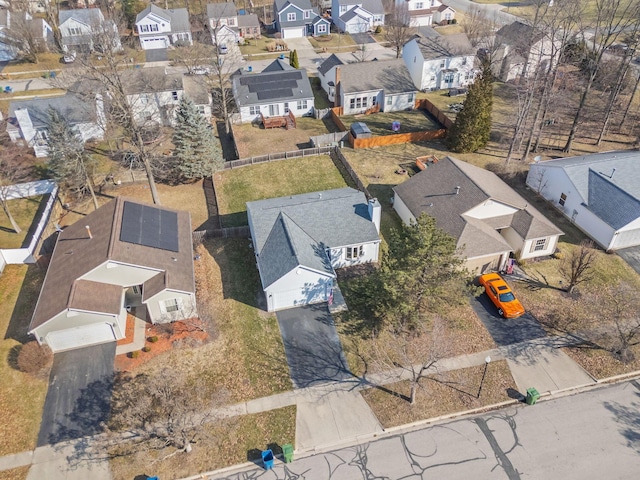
[576,267]
[13,170]
[26,36]
[398,29]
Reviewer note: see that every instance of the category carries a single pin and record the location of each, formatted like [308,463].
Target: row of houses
[127,253]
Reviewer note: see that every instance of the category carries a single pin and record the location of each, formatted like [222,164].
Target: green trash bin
[287,452]
[532,396]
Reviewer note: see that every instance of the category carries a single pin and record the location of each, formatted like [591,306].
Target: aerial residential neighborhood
[319,239]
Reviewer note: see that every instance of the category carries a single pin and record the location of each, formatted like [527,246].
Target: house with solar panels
[297,18]
[300,240]
[600,193]
[279,90]
[123,254]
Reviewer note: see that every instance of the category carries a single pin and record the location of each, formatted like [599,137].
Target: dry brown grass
[601,364]
[233,441]
[189,197]
[23,211]
[19,473]
[254,140]
[447,393]
[21,395]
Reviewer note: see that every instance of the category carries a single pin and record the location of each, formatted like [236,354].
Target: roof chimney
[336,102]
[457,190]
[375,212]
[89,231]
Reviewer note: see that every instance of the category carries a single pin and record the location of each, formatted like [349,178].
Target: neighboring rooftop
[440,46]
[390,75]
[88,16]
[221,10]
[74,108]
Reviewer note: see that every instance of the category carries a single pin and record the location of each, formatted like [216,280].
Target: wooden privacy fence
[395,139]
[272,157]
[335,116]
[424,104]
[337,155]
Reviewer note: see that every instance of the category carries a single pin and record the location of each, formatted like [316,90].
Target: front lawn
[332,41]
[380,123]
[21,395]
[443,394]
[275,179]
[23,211]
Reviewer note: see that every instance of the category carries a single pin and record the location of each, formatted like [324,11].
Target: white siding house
[299,241]
[86,30]
[105,259]
[158,28]
[357,16]
[487,218]
[426,12]
[440,62]
[599,193]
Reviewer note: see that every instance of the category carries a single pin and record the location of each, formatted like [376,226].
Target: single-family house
[357,16]
[28,120]
[297,18]
[226,26]
[155,94]
[18,28]
[360,86]
[159,28]
[124,253]
[299,240]
[488,219]
[86,29]
[439,62]
[600,193]
[426,12]
[278,90]
[521,50]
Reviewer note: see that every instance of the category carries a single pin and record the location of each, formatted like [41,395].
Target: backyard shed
[360,130]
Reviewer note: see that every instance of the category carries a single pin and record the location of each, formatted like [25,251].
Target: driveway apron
[312,346]
[631,255]
[79,393]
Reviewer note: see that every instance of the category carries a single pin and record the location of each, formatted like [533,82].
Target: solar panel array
[149,226]
[276,85]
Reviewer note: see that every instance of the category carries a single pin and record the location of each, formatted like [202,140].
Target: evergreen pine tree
[197,150]
[470,132]
[293,59]
[68,160]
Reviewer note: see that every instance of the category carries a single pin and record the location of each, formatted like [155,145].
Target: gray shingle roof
[392,76]
[372,6]
[196,90]
[151,79]
[177,17]
[279,82]
[348,15]
[302,4]
[248,20]
[221,10]
[609,202]
[292,231]
[155,10]
[519,33]
[88,16]
[329,63]
[443,46]
[433,191]
[73,107]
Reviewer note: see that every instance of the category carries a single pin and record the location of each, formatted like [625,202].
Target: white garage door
[78,337]
[152,43]
[629,238]
[298,297]
[359,27]
[296,32]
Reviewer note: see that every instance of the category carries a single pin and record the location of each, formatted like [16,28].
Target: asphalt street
[593,435]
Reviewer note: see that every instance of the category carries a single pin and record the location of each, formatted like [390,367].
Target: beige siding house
[124,253]
[489,220]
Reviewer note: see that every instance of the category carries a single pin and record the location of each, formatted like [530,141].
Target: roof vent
[457,190]
[89,231]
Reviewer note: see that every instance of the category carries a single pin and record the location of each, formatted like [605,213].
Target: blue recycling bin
[8,89]
[267,459]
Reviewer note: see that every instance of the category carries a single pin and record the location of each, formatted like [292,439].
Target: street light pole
[484,374]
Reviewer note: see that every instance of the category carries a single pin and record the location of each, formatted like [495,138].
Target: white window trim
[353,253]
[171,305]
[291,17]
[539,245]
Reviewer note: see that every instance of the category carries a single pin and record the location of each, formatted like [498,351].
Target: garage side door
[79,337]
[629,238]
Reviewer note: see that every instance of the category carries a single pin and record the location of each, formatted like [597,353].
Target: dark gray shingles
[216,11]
[74,109]
[329,63]
[391,76]
[609,202]
[88,16]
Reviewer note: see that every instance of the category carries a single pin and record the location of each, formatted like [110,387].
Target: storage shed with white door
[599,193]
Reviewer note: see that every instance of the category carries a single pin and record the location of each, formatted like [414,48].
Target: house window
[374,100]
[464,60]
[302,104]
[74,31]
[389,100]
[149,28]
[171,305]
[358,102]
[201,109]
[540,245]
[563,199]
[419,6]
[442,63]
[182,37]
[306,14]
[286,107]
[447,16]
[354,252]
[254,110]
[377,18]
[144,99]
[433,78]
[410,97]
[448,78]
[291,17]
[231,22]
[322,28]
[343,8]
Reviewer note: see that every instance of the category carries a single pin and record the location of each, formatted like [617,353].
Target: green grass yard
[380,123]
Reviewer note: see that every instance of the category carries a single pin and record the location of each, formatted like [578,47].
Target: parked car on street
[501,295]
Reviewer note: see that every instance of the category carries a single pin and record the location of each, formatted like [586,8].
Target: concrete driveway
[156,55]
[631,255]
[312,346]
[506,331]
[79,393]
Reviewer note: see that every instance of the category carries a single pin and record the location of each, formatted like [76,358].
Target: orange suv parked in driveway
[501,295]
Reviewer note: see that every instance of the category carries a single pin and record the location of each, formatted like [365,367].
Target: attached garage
[78,337]
[153,43]
[627,238]
[299,287]
[293,32]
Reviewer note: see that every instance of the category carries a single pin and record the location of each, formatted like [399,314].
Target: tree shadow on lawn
[25,305]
